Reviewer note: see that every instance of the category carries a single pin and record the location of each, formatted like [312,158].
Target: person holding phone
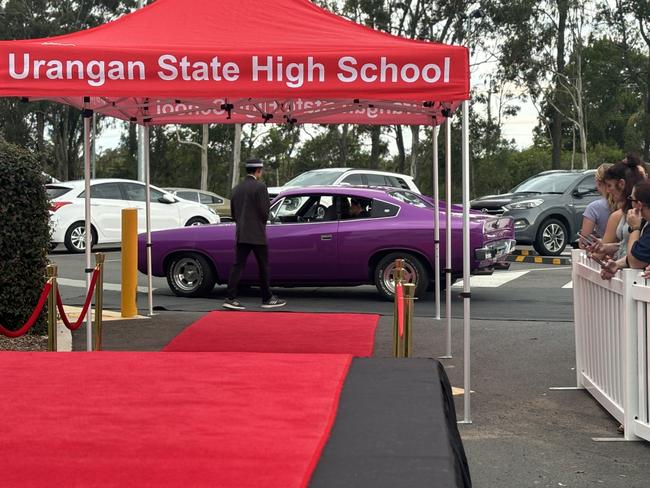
[638,245]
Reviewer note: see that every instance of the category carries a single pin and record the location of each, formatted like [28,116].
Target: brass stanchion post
[51,309]
[398,276]
[99,301]
[409,297]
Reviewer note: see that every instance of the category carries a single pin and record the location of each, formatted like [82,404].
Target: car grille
[489,211]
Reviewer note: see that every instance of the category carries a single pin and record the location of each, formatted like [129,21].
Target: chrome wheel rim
[410,275]
[78,238]
[196,222]
[553,237]
[187,274]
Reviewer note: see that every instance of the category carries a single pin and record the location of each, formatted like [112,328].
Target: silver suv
[547,208]
[347,176]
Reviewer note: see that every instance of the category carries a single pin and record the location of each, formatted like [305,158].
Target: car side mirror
[167,198]
[579,194]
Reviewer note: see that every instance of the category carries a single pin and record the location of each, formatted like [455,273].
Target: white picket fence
[612,342]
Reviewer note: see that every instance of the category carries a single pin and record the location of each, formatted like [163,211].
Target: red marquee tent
[249,61]
[199,61]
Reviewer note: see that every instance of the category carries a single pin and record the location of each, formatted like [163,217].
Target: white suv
[348,176]
[107,199]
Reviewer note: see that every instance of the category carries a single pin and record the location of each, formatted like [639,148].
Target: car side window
[376,180]
[383,209]
[110,191]
[354,207]
[217,200]
[136,193]
[303,209]
[353,179]
[205,198]
[402,184]
[587,185]
[187,195]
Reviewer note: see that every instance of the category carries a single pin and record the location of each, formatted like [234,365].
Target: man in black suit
[249,207]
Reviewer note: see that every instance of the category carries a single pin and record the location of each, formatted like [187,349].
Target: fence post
[409,297]
[630,358]
[577,257]
[398,276]
[51,309]
[99,301]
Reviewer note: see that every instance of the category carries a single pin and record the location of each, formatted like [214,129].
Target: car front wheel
[552,238]
[196,221]
[190,275]
[414,272]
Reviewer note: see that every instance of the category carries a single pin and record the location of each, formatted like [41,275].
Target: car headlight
[212,210]
[524,204]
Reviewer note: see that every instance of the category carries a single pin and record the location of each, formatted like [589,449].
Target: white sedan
[107,199]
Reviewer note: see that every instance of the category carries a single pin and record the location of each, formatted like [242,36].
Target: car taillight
[57,205]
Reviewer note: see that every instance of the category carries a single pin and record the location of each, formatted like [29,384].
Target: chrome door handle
[326,237]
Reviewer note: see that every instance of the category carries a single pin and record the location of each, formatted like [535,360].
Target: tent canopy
[276,61]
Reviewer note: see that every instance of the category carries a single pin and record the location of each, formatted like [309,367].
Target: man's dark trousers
[262,256]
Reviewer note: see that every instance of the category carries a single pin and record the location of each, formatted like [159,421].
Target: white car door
[106,209]
[163,215]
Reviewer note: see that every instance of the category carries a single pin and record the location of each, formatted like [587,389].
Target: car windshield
[547,183]
[56,191]
[411,198]
[315,178]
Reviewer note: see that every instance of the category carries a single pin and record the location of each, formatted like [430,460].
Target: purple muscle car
[326,236]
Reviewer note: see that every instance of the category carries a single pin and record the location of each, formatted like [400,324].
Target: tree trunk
[556,129]
[236,158]
[401,150]
[375,133]
[415,148]
[204,157]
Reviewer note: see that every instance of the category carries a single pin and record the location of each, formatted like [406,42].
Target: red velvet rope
[399,290]
[59,304]
[32,319]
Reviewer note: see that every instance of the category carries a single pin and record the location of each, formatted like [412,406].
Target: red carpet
[156,419]
[317,333]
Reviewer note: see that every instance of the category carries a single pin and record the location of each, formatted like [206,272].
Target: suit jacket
[249,207]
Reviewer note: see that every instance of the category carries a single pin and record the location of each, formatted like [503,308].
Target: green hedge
[24,237]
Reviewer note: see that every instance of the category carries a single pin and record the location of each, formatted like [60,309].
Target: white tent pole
[466,264]
[436,219]
[141,136]
[147,184]
[87,116]
[448,232]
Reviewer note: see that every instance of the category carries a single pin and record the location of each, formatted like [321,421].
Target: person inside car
[357,210]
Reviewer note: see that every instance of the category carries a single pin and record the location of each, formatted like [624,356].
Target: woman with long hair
[594,219]
[620,179]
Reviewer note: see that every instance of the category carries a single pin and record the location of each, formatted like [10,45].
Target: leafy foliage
[24,236]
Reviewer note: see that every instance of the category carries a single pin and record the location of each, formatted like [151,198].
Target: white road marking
[107,286]
[568,285]
[492,281]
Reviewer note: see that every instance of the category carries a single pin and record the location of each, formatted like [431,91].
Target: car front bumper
[494,250]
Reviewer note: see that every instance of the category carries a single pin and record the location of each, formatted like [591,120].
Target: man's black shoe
[233,305]
[273,302]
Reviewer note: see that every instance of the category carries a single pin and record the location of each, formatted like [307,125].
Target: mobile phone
[588,239]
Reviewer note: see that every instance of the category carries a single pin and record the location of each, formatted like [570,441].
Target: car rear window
[54,191]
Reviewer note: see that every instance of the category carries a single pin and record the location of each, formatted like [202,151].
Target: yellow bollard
[99,302]
[51,310]
[409,297]
[398,276]
[129,261]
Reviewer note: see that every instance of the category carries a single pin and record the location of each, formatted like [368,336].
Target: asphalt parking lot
[522,434]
